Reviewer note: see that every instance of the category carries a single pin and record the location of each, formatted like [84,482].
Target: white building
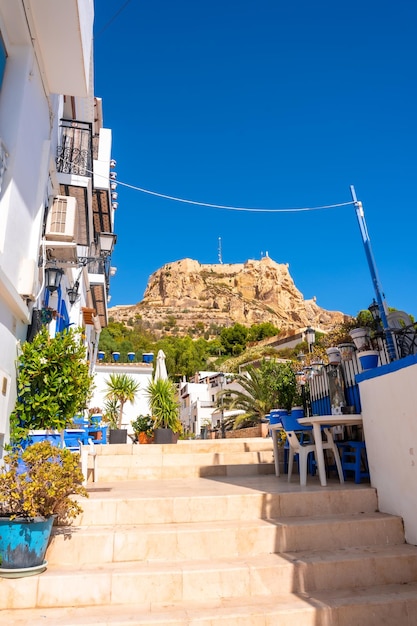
[199,402]
[56,186]
[140,372]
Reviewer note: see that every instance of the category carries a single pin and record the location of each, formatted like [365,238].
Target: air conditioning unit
[61,220]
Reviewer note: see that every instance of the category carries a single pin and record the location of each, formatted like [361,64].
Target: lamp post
[380,299]
[221,383]
[310,335]
[301,380]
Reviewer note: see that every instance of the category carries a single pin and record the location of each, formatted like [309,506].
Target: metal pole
[374,275]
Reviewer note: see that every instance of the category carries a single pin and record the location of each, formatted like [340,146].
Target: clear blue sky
[268,104]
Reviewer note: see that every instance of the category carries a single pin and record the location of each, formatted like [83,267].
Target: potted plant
[36,488]
[163,403]
[121,388]
[53,385]
[367,356]
[143,428]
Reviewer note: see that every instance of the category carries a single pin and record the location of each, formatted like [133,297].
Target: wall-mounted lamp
[53,276]
[107,242]
[73,293]
[113,271]
[114,205]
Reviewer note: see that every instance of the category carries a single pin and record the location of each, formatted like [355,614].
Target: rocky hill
[186,295]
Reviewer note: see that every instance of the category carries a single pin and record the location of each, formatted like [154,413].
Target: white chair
[295,436]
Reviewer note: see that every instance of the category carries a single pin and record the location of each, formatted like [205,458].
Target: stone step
[199,500]
[153,585]
[374,606]
[186,459]
[215,540]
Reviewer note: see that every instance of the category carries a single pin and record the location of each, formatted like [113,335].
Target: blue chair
[74,438]
[354,459]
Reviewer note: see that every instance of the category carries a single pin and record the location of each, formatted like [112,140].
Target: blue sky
[264,104]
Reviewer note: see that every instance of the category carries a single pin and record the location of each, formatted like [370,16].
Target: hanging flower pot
[346,351]
[368,359]
[360,337]
[333,355]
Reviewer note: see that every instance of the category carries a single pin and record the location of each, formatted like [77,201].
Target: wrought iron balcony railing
[75,152]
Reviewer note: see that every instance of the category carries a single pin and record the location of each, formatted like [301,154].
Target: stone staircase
[230,546]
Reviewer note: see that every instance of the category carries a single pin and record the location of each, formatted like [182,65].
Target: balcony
[63,32]
[75,152]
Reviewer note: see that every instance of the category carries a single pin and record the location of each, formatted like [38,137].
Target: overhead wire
[232,208]
[209,205]
[111,20]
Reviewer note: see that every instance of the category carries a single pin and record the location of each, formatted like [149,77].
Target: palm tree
[254,399]
[122,388]
[264,388]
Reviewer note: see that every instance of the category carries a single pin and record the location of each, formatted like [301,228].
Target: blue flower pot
[368,359]
[275,415]
[23,542]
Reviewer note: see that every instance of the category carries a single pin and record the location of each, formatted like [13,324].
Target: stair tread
[287,559]
[335,518]
[290,606]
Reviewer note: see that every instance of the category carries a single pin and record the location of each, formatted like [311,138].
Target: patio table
[325,423]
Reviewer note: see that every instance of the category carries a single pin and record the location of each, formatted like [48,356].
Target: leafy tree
[122,388]
[280,379]
[234,339]
[257,332]
[53,383]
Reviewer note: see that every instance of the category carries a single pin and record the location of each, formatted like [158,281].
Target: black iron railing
[75,152]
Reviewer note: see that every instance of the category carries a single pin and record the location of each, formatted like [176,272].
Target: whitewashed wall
[389,410]
[25,131]
[140,372]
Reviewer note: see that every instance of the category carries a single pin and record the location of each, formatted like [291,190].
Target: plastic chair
[295,435]
[354,459]
[297,446]
[77,441]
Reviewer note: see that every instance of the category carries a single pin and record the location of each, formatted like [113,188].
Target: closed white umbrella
[160,368]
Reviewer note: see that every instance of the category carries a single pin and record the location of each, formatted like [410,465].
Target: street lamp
[310,334]
[221,383]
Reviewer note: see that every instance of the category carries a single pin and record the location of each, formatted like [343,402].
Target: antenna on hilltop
[220,251]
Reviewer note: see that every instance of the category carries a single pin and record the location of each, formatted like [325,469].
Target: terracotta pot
[144,438]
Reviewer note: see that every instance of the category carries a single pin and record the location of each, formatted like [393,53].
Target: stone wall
[261,430]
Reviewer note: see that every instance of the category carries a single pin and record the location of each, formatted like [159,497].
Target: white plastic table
[319,422]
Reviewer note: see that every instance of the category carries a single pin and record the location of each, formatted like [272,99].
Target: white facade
[199,403]
[140,372]
[389,412]
[47,78]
